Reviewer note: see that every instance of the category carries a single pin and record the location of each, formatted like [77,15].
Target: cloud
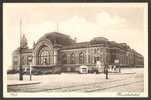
[108,20]
[34,31]
[106,25]
[77,26]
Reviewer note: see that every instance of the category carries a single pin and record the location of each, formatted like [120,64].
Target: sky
[120,22]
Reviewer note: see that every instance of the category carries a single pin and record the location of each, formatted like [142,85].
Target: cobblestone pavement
[74,82]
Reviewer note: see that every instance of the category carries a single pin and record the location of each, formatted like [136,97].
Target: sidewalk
[24,82]
[122,73]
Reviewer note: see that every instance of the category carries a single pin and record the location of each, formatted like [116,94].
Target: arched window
[72,58]
[44,56]
[64,58]
[81,58]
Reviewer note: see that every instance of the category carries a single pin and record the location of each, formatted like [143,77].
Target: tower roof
[58,38]
[99,40]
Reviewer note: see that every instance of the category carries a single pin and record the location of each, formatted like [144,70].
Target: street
[129,80]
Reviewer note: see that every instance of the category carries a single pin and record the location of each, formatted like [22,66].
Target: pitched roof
[77,45]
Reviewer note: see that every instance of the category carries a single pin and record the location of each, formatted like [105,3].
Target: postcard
[75,50]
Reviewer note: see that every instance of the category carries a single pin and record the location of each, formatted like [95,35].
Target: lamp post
[20,50]
[105,66]
[30,72]
[20,67]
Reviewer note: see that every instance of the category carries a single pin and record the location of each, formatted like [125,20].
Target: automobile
[83,69]
[93,70]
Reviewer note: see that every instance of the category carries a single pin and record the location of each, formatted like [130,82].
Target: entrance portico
[44,54]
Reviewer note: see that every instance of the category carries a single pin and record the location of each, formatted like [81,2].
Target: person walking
[106,70]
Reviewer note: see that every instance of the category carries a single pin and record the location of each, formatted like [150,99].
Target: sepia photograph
[75,50]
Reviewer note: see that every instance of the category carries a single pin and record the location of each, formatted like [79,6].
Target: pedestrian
[106,71]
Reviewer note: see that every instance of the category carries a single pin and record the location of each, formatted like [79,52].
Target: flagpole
[20,67]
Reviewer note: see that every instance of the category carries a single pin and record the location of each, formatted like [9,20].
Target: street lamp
[20,67]
[30,66]
[20,50]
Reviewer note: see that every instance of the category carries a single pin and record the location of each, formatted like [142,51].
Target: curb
[23,84]
[129,73]
[122,73]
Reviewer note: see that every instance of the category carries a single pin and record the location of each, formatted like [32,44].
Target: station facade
[56,48]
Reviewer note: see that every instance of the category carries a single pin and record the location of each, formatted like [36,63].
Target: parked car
[83,69]
[92,70]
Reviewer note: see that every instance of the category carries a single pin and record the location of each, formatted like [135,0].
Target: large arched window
[72,58]
[81,58]
[44,56]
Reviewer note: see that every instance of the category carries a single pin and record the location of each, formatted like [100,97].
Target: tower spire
[23,39]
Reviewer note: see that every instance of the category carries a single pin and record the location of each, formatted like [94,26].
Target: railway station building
[57,49]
